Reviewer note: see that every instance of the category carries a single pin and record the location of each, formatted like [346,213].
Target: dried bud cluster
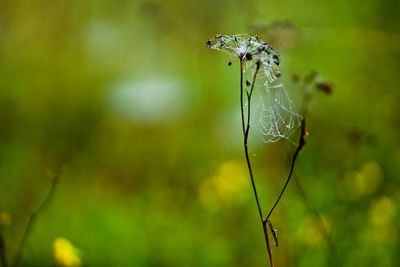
[273,112]
[250,50]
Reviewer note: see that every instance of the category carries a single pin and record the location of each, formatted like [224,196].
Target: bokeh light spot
[382,212]
[5,218]
[225,186]
[65,253]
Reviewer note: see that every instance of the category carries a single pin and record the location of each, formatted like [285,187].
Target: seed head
[251,50]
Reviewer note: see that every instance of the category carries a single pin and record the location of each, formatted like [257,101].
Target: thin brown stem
[302,142]
[270,256]
[320,224]
[31,221]
[246,128]
[241,97]
[3,254]
[335,260]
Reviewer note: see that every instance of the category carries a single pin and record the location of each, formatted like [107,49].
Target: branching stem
[31,221]
[302,142]
[335,260]
[3,258]
[246,128]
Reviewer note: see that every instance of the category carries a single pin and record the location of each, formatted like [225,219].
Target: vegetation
[142,124]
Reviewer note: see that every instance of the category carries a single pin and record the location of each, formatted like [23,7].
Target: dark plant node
[249,56]
[324,87]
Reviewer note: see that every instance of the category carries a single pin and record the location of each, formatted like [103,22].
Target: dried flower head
[274,115]
[274,112]
[243,46]
[249,49]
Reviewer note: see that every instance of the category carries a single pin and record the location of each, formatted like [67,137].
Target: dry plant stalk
[3,257]
[310,84]
[28,228]
[274,114]
[32,219]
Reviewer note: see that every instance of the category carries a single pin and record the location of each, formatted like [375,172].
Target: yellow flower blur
[65,253]
[5,218]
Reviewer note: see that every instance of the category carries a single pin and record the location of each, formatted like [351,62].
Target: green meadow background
[143,123]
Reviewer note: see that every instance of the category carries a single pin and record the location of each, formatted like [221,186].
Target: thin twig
[3,255]
[311,208]
[246,128]
[32,218]
[320,224]
[241,97]
[270,256]
[302,142]
[246,134]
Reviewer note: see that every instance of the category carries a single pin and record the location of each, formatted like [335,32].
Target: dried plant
[310,84]
[274,114]
[3,254]
[28,228]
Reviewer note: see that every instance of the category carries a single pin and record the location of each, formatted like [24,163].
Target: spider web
[273,112]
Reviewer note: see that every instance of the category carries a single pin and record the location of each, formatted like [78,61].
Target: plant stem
[32,218]
[302,142]
[3,258]
[246,128]
[241,99]
[335,260]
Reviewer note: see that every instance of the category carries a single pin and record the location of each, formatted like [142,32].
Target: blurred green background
[144,122]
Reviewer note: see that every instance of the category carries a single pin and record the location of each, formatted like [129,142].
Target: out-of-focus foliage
[144,122]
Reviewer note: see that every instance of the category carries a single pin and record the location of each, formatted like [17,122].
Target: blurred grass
[131,188]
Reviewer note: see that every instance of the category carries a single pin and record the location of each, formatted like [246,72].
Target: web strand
[274,114]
